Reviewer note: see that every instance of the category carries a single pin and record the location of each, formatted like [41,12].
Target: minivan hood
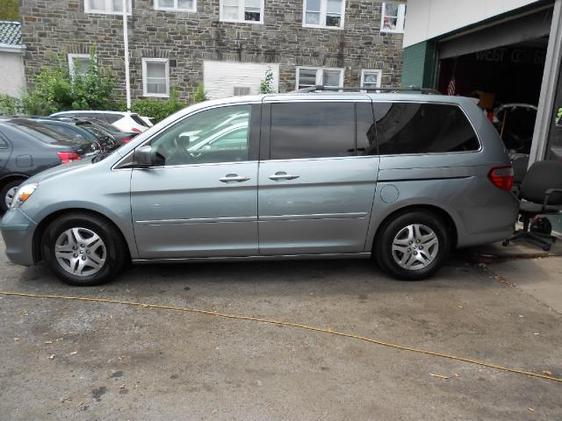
[59,170]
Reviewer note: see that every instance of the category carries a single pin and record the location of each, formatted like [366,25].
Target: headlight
[23,193]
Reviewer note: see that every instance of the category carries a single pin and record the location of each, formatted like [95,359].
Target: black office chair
[520,164]
[540,194]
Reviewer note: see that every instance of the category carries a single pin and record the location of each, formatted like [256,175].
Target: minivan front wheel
[83,250]
[413,245]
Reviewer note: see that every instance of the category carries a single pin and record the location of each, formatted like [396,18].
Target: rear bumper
[17,230]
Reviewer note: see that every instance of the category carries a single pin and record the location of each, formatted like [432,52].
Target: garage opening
[507,81]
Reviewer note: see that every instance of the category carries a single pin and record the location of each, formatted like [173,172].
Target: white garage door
[226,78]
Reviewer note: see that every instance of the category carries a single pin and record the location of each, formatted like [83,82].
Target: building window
[110,7]
[371,78]
[249,11]
[155,77]
[323,13]
[176,5]
[313,76]
[78,64]
[392,17]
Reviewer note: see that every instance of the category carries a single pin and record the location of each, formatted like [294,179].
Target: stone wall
[58,27]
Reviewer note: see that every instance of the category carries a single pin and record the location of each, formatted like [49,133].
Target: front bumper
[17,230]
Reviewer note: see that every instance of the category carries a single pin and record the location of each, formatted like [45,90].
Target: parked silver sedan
[401,177]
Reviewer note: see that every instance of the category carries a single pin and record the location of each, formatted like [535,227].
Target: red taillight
[126,139]
[134,129]
[502,177]
[66,157]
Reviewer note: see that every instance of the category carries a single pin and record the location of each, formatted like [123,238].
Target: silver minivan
[403,178]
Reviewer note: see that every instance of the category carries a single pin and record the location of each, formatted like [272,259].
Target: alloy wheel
[10,195]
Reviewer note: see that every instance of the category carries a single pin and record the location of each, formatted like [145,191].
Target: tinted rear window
[312,130]
[406,128]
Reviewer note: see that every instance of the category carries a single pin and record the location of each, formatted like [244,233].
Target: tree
[55,89]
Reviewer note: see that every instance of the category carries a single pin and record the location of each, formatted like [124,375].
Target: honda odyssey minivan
[403,178]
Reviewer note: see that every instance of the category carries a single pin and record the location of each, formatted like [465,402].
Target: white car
[123,120]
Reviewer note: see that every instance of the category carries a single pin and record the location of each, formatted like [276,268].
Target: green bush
[9,10]
[266,85]
[9,105]
[158,109]
[54,89]
[199,95]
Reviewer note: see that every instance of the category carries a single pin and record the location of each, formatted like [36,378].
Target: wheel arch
[46,221]
[10,177]
[435,210]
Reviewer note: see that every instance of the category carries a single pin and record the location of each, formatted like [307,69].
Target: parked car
[401,177]
[75,130]
[124,121]
[122,137]
[27,148]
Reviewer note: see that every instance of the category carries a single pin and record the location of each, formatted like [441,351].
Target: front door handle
[282,175]
[229,178]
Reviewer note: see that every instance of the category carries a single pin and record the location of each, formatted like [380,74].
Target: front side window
[392,17]
[112,7]
[410,128]
[323,13]
[313,76]
[156,77]
[78,64]
[217,135]
[250,11]
[312,130]
[176,5]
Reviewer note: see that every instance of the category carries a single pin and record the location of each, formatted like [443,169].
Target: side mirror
[144,156]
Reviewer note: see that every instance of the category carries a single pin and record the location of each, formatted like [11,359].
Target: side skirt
[362,255]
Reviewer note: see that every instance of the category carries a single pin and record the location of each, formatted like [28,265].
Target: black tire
[116,253]
[386,235]
[4,192]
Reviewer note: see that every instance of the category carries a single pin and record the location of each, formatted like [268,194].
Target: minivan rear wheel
[412,246]
[83,249]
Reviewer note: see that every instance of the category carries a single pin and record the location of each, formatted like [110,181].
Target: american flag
[452,87]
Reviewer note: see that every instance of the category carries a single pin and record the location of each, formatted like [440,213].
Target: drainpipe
[126,47]
[548,87]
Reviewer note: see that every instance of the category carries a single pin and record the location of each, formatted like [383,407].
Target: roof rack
[320,88]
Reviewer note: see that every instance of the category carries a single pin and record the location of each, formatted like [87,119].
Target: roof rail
[320,88]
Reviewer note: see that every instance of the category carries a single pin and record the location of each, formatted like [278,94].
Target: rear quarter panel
[456,182]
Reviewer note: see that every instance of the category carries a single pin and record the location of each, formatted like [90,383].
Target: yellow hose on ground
[288,324]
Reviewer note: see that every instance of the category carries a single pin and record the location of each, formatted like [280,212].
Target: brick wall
[52,27]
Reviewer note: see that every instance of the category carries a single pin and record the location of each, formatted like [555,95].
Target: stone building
[225,44]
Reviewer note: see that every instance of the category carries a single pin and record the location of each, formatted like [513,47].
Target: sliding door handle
[281,175]
[230,178]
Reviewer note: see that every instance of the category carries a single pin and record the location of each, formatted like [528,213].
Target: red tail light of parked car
[66,157]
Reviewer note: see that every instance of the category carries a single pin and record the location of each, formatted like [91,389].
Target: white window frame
[145,92]
[175,7]
[323,14]
[399,22]
[108,10]
[365,71]
[71,58]
[242,10]
[319,75]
